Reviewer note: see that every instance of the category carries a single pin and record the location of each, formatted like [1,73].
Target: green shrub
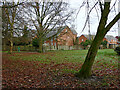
[86,43]
[35,42]
[104,43]
[117,49]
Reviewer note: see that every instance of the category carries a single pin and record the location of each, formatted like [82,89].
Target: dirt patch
[34,74]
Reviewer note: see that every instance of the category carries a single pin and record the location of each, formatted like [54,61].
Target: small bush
[86,43]
[35,42]
[104,43]
[117,49]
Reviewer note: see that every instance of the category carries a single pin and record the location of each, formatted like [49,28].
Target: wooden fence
[31,48]
[22,48]
[63,47]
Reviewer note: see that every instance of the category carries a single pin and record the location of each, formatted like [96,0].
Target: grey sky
[80,20]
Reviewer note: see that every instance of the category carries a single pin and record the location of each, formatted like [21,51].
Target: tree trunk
[40,45]
[11,46]
[56,44]
[85,71]
[4,45]
[11,41]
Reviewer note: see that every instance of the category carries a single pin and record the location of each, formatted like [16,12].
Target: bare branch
[80,8]
[88,16]
[107,28]
[101,8]
[11,6]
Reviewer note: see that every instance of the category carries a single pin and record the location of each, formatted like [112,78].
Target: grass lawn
[56,69]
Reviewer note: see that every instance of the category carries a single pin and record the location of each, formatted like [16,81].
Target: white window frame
[82,39]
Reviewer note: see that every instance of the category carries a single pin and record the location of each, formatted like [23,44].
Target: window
[82,39]
[66,30]
[54,44]
[51,41]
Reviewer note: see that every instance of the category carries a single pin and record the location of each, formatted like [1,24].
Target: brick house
[85,37]
[112,41]
[82,38]
[118,39]
[66,37]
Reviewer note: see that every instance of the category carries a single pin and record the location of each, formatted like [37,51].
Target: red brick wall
[111,42]
[82,37]
[49,41]
[105,39]
[64,38]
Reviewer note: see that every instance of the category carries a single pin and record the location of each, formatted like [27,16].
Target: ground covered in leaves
[56,70]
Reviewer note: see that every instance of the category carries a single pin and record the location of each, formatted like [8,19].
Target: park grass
[105,58]
[70,56]
[70,62]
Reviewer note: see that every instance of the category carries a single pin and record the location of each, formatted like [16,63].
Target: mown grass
[70,56]
[70,62]
[105,57]
[73,56]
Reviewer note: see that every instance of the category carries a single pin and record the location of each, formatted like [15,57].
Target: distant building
[112,41]
[85,37]
[66,37]
[118,39]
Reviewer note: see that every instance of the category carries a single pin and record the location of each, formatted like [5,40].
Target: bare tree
[102,30]
[5,29]
[46,17]
[10,14]
[13,24]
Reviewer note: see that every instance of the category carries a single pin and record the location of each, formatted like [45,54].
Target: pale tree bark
[11,42]
[10,18]
[4,29]
[40,45]
[102,30]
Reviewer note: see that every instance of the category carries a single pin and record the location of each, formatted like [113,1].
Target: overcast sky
[81,17]
[80,20]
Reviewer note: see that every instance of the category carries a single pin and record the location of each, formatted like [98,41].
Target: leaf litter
[34,74]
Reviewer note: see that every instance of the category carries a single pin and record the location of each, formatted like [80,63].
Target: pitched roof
[110,37]
[58,31]
[87,36]
[74,32]
[50,34]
